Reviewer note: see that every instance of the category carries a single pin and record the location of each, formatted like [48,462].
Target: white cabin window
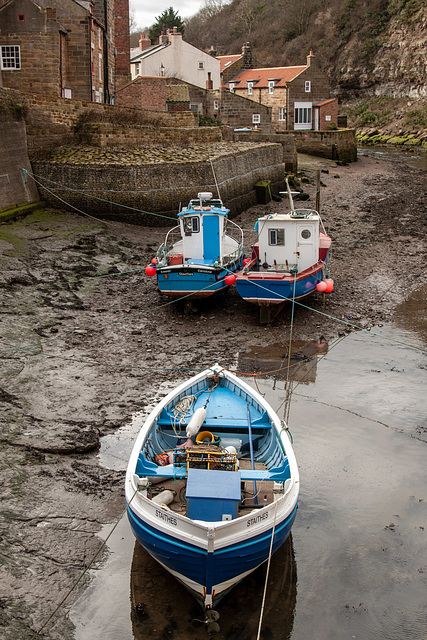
[276,237]
[250,87]
[10,57]
[191,225]
[271,86]
[256,118]
[306,234]
[307,86]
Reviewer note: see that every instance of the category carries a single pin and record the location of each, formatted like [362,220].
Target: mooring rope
[85,570]
[267,573]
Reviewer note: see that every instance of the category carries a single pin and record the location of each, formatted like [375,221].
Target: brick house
[172,57]
[61,47]
[299,96]
[232,66]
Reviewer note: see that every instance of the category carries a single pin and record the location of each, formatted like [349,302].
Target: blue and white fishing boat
[200,253]
[288,259]
[229,483]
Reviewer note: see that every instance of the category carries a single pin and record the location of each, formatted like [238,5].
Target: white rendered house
[175,58]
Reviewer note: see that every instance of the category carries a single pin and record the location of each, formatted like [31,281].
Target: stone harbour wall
[130,193]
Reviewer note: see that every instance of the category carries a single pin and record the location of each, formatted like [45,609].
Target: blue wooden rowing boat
[229,483]
[200,253]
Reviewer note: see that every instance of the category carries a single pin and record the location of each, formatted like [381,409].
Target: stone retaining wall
[338,145]
[161,188]
[15,189]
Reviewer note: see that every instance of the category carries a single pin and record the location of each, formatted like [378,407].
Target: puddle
[355,566]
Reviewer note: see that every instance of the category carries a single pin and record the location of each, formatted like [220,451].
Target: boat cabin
[288,242]
[203,226]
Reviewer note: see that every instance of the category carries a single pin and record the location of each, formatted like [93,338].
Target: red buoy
[321,286]
[150,270]
[231,279]
[329,285]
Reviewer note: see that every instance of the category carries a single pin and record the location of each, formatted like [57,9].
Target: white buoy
[164,497]
[197,419]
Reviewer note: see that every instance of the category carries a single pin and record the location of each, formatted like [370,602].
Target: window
[256,118]
[10,57]
[232,85]
[276,237]
[67,93]
[282,113]
[250,87]
[201,65]
[99,38]
[271,86]
[303,115]
[306,234]
[21,17]
[100,67]
[215,105]
[137,69]
[307,86]
[191,225]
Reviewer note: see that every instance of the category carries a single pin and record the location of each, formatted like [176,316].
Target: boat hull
[193,281]
[265,288]
[209,575]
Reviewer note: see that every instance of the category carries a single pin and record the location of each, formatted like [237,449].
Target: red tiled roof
[320,104]
[225,61]
[260,77]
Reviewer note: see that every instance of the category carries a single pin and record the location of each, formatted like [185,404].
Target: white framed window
[250,88]
[303,115]
[201,65]
[307,86]
[137,69]
[67,93]
[10,57]
[100,67]
[99,37]
[282,114]
[271,86]
[327,118]
[256,118]
[276,237]
[215,105]
[232,85]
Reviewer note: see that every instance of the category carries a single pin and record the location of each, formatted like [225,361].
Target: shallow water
[356,565]
[412,157]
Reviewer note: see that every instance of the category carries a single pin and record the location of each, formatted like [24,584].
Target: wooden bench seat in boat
[145,467]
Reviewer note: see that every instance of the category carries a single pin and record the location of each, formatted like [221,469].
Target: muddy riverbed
[87,341]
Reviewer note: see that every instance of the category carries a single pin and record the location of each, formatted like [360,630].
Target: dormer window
[271,86]
[307,86]
[250,88]
[231,86]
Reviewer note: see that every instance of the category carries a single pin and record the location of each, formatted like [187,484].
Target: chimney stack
[209,82]
[310,59]
[247,62]
[144,42]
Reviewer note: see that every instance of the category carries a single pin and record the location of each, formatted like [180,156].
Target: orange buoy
[150,270]
[321,286]
[231,279]
[329,285]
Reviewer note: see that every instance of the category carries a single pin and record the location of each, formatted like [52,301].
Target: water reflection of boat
[162,607]
[199,254]
[230,504]
[274,360]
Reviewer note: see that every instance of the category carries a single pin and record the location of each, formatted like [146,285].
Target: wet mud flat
[86,341]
